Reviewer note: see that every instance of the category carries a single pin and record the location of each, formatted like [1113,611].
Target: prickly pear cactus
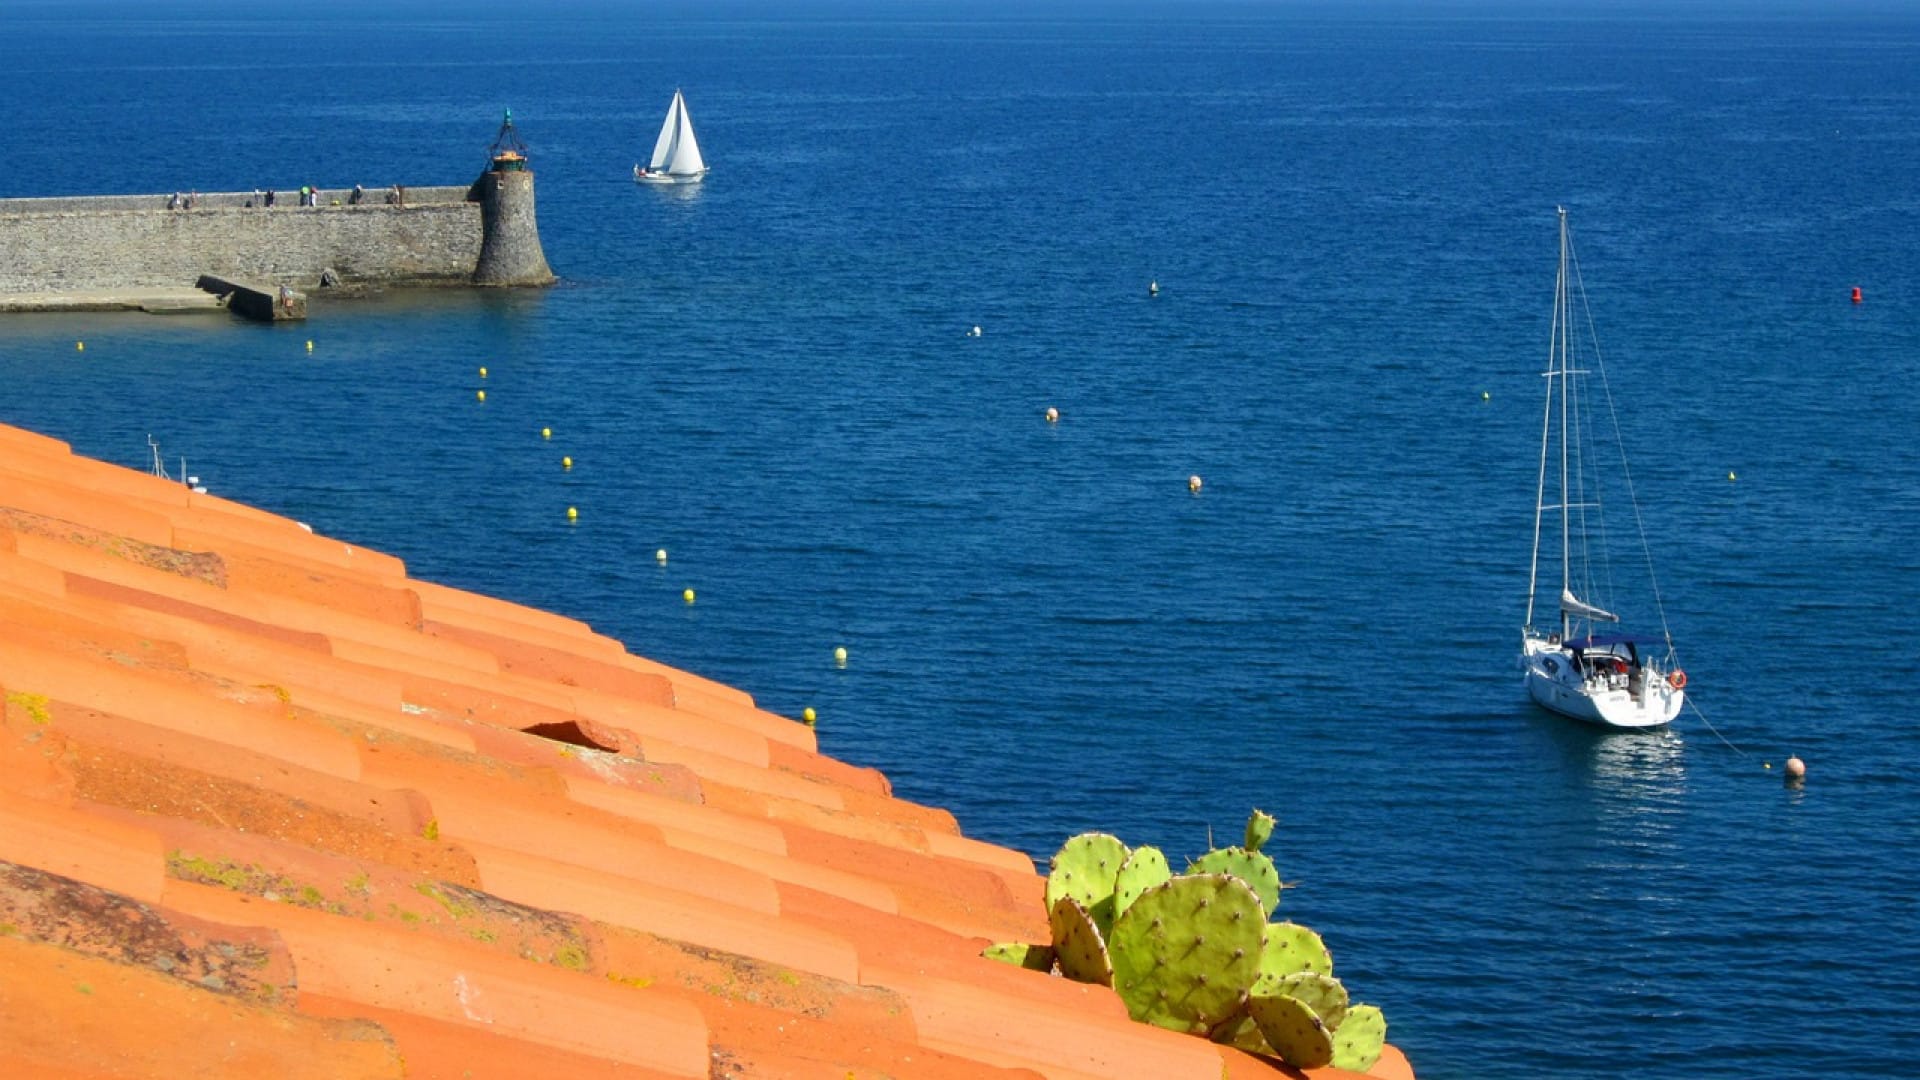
[1252,867]
[1078,945]
[1259,830]
[1291,947]
[1144,868]
[1239,1031]
[1084,868]
[1022,955]
[1357,1043]
[1293,1030]
[1322,993]
[1185,952]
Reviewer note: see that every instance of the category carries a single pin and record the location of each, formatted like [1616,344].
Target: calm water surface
[1350,212]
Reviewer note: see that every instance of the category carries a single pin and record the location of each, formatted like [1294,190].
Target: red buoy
[1856,294]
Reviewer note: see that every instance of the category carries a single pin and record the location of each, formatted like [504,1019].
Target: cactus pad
[1144,868]
[1241,1033]
[1322,993]
[1252,867]
[1185,952]
[1022,955]
[1356,1045]
[1290,948]
[1292,1029]
[1084,868]
[1078,945]
[1259,830]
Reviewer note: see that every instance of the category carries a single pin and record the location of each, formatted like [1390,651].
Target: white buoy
[1153,288]
[1053,415]
[660,556]
[1193,484]
[840,656]
[975,332]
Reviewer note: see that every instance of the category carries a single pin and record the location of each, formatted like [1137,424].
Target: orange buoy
[1856,294]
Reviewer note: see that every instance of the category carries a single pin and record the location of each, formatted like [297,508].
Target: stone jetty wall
[81,243]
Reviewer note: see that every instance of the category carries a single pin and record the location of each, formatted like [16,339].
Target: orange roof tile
[270,807]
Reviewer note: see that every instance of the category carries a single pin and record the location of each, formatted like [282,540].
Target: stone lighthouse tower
[510,239]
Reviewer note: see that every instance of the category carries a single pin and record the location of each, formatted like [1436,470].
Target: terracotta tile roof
[272,808]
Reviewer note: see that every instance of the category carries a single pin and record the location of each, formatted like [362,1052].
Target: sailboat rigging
[1613,679]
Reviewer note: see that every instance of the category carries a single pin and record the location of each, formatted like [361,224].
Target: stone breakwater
[59,248]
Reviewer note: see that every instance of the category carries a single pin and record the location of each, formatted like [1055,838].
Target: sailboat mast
[1563,311]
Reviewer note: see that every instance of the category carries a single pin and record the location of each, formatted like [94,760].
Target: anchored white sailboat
[676,153]
[1613,679]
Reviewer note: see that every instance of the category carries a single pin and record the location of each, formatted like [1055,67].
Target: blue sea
[1349,209]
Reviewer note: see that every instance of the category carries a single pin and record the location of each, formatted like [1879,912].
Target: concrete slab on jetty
[150,299]
[261,303]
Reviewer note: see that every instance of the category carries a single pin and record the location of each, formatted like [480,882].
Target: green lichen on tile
[85,988]
[34,705]
[7,929]
[482,935]
[248,878]
[431,830]
[572,957]
[281,692]
[637,982]
[227,875]
[360,883]
[455,908]
[787,977]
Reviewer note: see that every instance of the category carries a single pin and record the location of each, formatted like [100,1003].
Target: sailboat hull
[669,178]
[1609,700]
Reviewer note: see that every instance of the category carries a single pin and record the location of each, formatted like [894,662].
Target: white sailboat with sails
[676,153]
[1612,678]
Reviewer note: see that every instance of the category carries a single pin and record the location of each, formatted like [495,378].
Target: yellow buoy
[483,373]
[566,463]
[573,514]
[309,344]
[1053,415]
[1193,484]
[808,714]
[546,433]
[480,395]
[840,655]
[79,346]
[660,556]
[687,596]
[1730,475]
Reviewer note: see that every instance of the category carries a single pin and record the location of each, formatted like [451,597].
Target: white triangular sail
[663,146]
[1580,609]
[676,152]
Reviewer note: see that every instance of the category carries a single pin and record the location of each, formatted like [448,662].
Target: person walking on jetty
[174,203]
[270,196]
